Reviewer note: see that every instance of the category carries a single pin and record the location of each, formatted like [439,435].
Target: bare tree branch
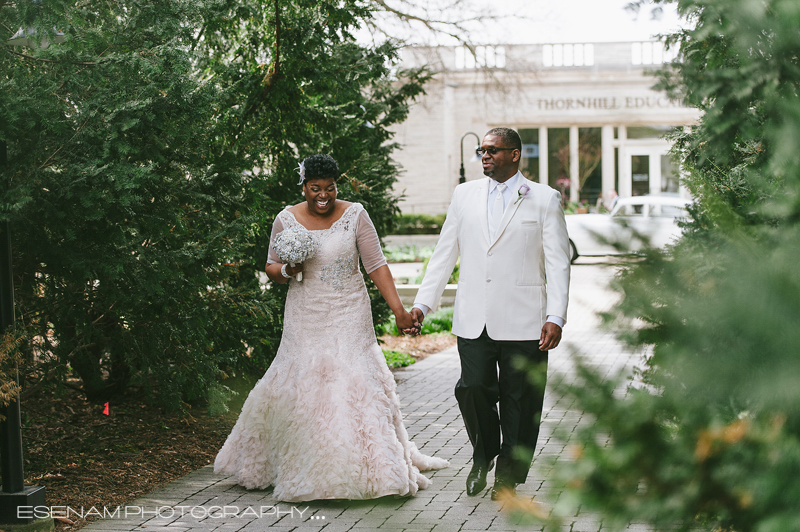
[42,59]
[437,20]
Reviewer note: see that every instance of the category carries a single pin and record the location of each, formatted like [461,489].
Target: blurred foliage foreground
[147,156]
[711,442]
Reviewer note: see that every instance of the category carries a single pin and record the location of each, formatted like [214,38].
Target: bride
[324,422]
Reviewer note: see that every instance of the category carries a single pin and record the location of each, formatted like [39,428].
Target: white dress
[324,422]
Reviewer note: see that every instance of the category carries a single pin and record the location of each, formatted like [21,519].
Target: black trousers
[479,390]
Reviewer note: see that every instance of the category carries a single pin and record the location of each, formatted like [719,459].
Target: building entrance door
[648,171]
[640,175]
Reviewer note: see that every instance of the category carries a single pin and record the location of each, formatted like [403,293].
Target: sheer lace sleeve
[277,227]
[369,247]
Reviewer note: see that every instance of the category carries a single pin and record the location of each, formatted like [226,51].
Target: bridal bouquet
[294,246]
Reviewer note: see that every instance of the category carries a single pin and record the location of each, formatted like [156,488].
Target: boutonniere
[522,192]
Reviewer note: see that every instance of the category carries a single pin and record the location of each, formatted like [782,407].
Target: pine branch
[274,71]
[44,164]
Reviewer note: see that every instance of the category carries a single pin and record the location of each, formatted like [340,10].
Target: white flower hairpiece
[302,170]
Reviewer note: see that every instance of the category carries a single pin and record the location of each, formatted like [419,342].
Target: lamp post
[17,501]
[474,158]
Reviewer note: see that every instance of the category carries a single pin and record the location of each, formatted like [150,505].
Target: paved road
[198,502]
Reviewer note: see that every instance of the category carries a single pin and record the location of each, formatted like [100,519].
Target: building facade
[591,123]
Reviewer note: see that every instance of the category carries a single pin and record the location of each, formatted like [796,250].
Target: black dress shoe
[476,480]
[503,488]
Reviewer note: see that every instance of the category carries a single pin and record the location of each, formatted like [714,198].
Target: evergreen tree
[713,441]
[147,157]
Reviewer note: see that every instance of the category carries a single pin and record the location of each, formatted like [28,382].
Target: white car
[651,217]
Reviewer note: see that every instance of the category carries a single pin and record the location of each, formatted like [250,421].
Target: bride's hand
[294,270]
[406,323]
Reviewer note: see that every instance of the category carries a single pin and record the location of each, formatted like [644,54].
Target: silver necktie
[497,208]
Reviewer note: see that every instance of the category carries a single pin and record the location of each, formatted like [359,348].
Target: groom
[511,303]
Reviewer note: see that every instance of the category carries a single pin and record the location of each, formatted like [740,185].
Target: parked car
[652,217]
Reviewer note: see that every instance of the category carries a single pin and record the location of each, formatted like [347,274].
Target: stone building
[590,122]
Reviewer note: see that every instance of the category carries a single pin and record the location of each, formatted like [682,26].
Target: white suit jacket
[508,283]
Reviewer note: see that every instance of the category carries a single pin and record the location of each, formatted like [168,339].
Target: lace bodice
[338,247]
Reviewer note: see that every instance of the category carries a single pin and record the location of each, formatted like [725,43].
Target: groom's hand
[550,337]
[419,317]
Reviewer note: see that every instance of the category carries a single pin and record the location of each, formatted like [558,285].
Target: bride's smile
[320,196]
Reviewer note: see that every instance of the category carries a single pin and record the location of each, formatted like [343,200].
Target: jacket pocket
[531,272]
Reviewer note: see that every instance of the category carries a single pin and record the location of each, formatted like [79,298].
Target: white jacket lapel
[504,222]
[510,211]
[483,210]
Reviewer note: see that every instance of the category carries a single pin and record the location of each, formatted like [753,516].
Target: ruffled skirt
[324,422]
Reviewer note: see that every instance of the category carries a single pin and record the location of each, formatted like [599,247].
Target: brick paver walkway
[200,501]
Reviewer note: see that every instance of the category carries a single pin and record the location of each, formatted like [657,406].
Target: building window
[558,159]
[484,57]
[529,163]
[670,178]
[590,174]
[558,55]
[640,175]
[648,132]
[651,53]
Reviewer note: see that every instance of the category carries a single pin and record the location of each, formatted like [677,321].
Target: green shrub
[418,224]
[712,442]
[408,254]
[218,397]
[453,276]
[396,359]
[440,321]
[389,326]
[572,206]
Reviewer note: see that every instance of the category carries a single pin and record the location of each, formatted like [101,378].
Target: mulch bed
[419,347]
[87,459]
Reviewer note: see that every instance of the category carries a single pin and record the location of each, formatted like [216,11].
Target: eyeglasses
[491,150]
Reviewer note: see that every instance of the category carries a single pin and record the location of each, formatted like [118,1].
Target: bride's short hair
[321,166]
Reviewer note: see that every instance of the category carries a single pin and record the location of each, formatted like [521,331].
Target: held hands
[418,317]
[408,323]
[550,337]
